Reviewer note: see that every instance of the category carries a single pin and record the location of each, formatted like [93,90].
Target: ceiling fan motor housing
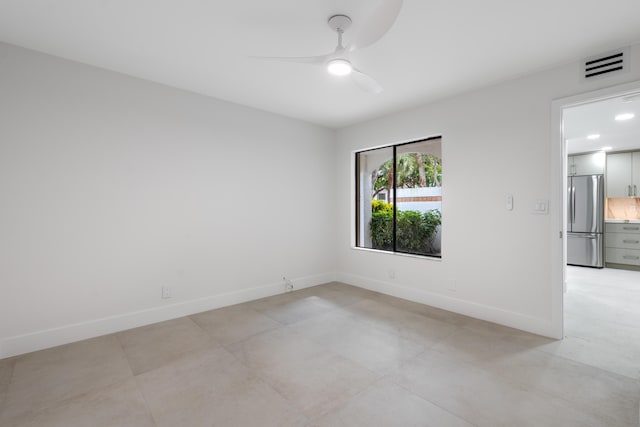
[339,23]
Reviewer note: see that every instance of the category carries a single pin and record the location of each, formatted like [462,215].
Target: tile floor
[336,355]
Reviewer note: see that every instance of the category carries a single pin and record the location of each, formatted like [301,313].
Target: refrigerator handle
[569,206]
[573,204]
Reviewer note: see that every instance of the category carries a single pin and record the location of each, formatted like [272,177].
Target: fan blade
[377,24]
[365,82]
[298,59]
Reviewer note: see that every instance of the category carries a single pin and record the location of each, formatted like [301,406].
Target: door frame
[559,195]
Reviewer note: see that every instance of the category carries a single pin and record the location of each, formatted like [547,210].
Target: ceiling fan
[338,62]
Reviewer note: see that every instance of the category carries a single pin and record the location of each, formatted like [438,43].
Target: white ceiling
[598,118]
[436,48]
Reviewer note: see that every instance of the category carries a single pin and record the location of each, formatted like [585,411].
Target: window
[399,198]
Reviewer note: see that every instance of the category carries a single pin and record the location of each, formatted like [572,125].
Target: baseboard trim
[511,319]
[21,344]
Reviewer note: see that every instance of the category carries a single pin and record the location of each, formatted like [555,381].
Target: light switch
[541,207]
[509,202]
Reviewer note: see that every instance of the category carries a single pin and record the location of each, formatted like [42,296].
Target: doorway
[595,133]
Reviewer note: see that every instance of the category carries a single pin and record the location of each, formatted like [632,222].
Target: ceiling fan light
[339,67]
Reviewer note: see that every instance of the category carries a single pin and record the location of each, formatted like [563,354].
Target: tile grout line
[135,379]
[146,402]
[588,365]
[529,388]
[390,378]
[265,380]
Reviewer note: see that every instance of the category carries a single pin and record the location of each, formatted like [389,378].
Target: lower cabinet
[622,243]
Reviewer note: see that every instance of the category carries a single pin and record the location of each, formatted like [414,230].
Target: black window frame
[394,147]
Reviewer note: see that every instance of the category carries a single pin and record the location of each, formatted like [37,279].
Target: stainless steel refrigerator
[585,220]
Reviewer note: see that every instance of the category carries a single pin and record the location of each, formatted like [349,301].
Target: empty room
[328,213]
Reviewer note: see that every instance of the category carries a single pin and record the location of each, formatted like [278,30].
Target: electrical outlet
[166,292]
[391,273]
[288,284]
[452,286]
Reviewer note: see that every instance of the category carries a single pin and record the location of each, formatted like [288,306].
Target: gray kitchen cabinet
[623,174]
[586,164]
[622,243]
[635,173]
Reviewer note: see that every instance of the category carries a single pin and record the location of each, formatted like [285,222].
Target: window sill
[378,251]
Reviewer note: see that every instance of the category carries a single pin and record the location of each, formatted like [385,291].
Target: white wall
[496,264]
[111,187]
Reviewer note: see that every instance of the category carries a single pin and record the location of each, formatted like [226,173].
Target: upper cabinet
[586,164]
[635,178]
[623,174]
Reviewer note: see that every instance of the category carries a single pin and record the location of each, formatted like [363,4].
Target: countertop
[623,221]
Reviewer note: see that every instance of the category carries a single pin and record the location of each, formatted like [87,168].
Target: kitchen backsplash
[623,208]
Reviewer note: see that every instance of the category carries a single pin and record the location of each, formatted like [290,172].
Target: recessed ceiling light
[606,148]
[593,136]
[625,116]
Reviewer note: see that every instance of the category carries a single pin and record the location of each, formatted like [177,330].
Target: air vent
[612,62]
